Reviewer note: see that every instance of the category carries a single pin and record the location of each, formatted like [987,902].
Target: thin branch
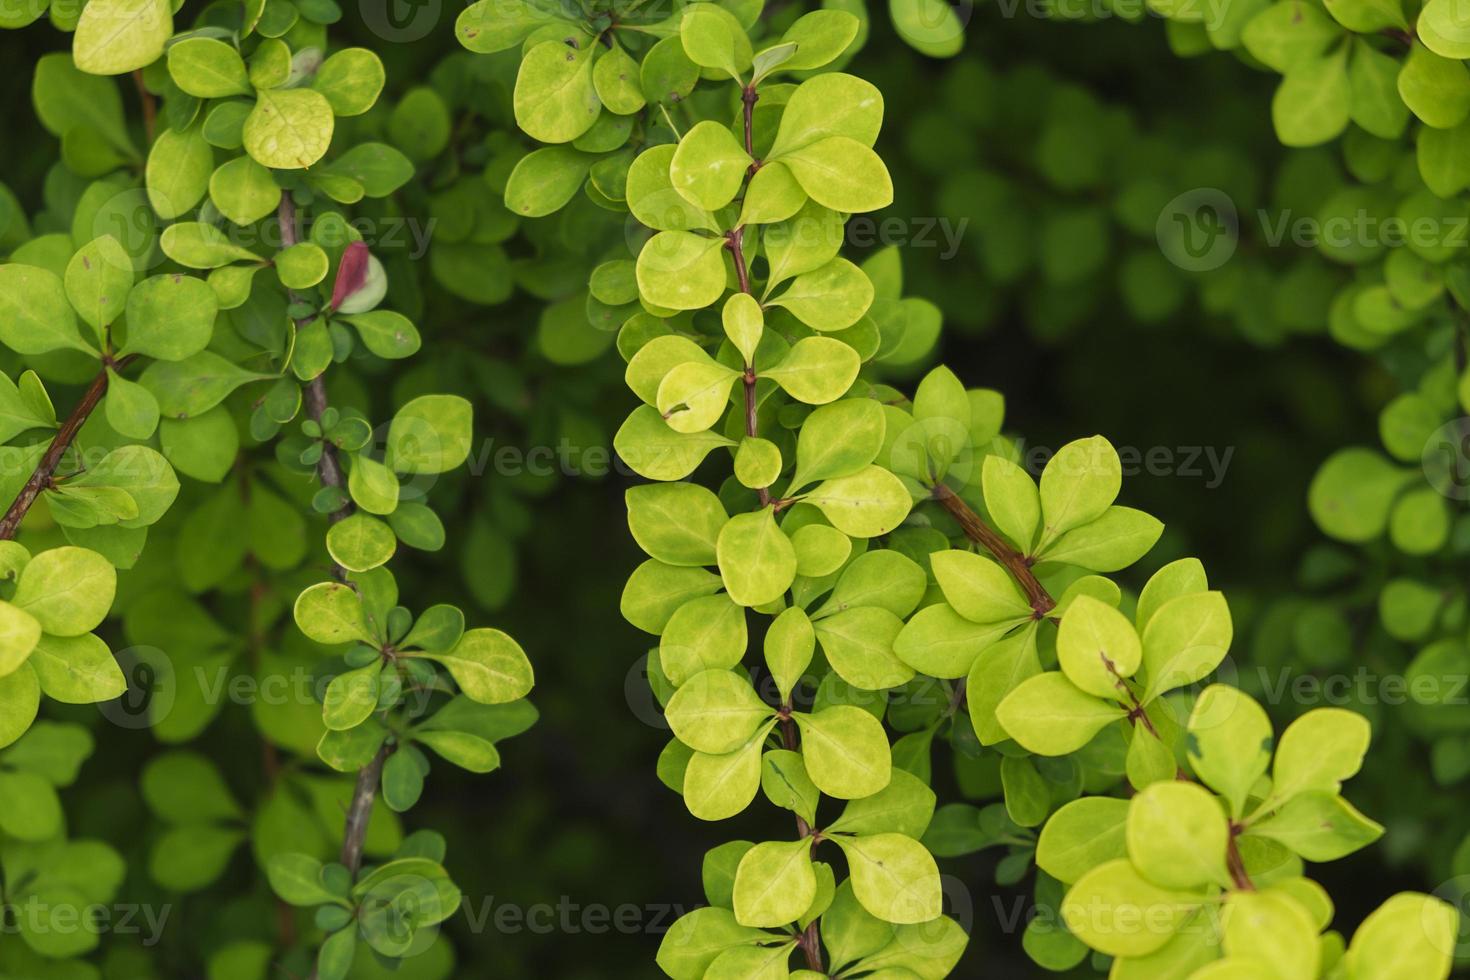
[328,466]
[150,105]
[46,469]
[361,810]
[329,473]
[985,536]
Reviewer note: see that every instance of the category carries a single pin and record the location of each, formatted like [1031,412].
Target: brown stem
[60,443]
[329,466]
[150,105]
[812,947]
[1015,562]
[735,242]
[329,472]
[1236,863]
[361,810]
[748,98]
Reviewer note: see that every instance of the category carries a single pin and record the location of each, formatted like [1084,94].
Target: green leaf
[289,128]
[32,810]
[555,99]
[656,589]
[1177,833]
[1117,911]
[200,246]
[77,669]
[677,523]
[756,559]
[772,195]
[118,36]
[654,201]
[616,78]
[1319,825]
[35,317]
[170,317]
[709,166]
[208,68]
[351,697]
[1229,743]
[1114,541]
[1184,576]
[713,38]
[372,485]
[838,440]
[893,876]
[430,434]
[1313,102]
[1048,715]
[1012,499]
[360,542]
[678,270]
[188,388]
[716,711]
[757,463]
[1368,16]
[905,806]
[1407,937]
[244,191]
[546,179]
[1081,835]
[842,174]
[789,644]
[1185,639]
[20,697]
[820,37]
[694,395]
[716,787]
[829,105]
[1318,751]
[1435,89]
[979,589]
[1078,485]
[1373,84]
[68,590]
[488,666]
[351,79]
[864,504]
[1272,927]
[693,942]
[142,474]
[832,297]
[97,282]
[331,612]
[999,669]
[846,751]
[705,633]
[1286,34]
[297,880]
[859,645]
[1097,648]
[19,633]
[775,883]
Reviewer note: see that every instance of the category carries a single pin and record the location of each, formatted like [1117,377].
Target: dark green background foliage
[1057,145]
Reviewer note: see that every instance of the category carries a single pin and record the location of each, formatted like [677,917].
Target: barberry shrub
[894,563]
[198,275]
[222,314]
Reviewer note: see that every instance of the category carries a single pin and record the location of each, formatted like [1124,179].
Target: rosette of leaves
[392,908]
[1215,865]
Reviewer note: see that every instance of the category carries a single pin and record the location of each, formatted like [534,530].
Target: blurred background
[1037,173]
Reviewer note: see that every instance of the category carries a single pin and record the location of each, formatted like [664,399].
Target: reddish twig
[45,470]
[982,534]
